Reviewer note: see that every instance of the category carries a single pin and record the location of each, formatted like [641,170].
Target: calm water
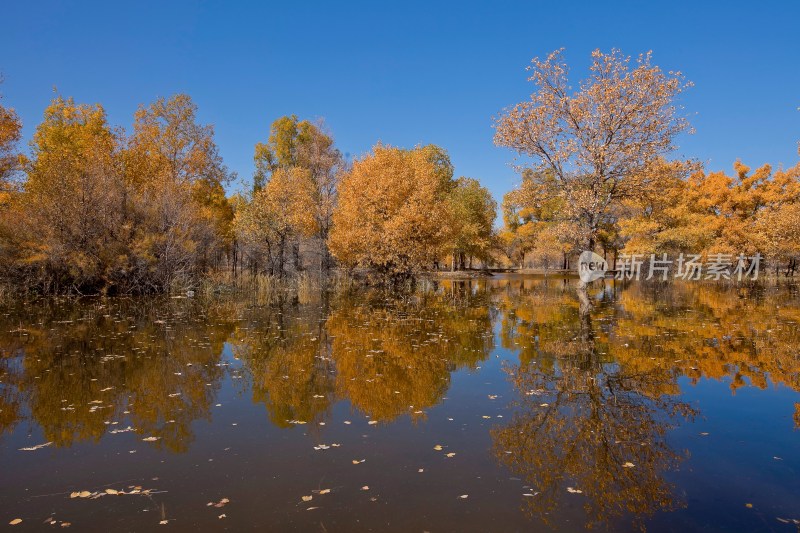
[472,406]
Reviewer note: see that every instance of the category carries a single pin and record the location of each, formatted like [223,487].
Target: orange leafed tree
[595,144]
[10,135]
[393,216]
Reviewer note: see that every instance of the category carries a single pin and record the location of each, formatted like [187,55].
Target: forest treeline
[598,175]
[94,208]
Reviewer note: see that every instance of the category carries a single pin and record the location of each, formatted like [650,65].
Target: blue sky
[403,73]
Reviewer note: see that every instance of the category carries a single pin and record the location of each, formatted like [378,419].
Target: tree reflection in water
[597,379]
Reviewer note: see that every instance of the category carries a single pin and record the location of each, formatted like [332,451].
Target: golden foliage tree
[278,212]
[10,135]
[473,210]
[304,145]
[71,224]
[393,215]
[99,212]
[595,145]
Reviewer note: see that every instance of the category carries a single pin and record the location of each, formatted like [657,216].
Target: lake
[499,404]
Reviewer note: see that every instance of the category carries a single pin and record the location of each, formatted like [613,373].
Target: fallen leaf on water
[151,439]
[365,487]
[84,494]
[438,447]
[628,465]
[112,492]
[372,422]
[574,491]
[16,521]
[312,508]
[222,516]
[34,448]
[66,524]
[164,522]
[356,461]
[464,496]
[451,454]
[324,491]
[749,505]
[307,498]
[421,470]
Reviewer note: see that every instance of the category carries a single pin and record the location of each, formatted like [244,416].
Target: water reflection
[595,394]
[586,422]
[80,370]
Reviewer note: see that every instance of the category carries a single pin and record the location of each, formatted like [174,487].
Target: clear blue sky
[400,72]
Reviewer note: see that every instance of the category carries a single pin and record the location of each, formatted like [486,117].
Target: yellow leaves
[391,215]
[593,140]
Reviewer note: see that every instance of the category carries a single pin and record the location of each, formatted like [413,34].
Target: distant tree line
[599,179]
[94,208]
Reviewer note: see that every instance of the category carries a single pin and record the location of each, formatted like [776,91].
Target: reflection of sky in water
[266,404]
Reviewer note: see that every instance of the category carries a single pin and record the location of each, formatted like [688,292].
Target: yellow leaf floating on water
[34,448]
[356,461]
[464,496]
[16,521]
[112,492]
[151,439]
[438,447]
[628,465]
[324,491]
[749,505]
[574,491]
[365,487]
[307,498]
[451,454]
[373,422]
